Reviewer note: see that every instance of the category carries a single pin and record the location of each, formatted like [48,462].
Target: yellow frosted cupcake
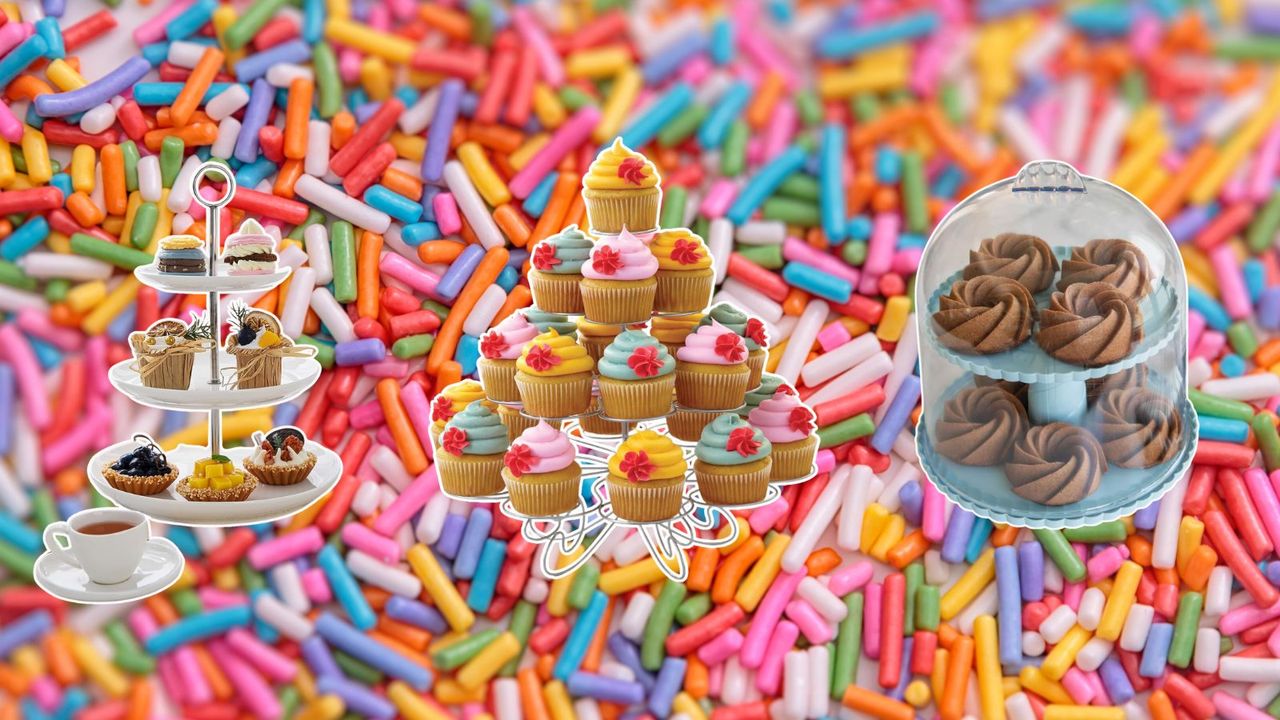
[671,331]
[450,401]
[621,191]
[685,277]
[554,376]
[646,478]
[596,337]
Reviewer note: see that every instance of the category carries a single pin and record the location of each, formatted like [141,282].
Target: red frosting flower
[785,389]
[541,358]
[544,256]
[800,419]
[742,441]
[637,466]
[453,440]
[493,344]
[441,408]
[731,348]
[644,360]
[518,459]
[755,331]
[606,260]
[686,252]
[632,170]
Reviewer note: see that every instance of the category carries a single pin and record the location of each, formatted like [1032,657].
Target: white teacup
[107,543]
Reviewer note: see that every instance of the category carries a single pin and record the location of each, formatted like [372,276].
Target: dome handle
[1048,176]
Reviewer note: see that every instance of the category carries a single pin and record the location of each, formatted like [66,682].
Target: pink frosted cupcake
[541,471]
[619,281]
[788,425]
[499,350]
[250,250]
[711,369]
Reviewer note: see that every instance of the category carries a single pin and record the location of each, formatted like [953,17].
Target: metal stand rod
[213,233]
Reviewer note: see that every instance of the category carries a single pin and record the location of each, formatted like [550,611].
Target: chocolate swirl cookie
[1139,428]
[1016,389]
[1117,262]
[1025,258]
[1056,464]
[1090,324]
[979,426]
[1135,376]
[985,315]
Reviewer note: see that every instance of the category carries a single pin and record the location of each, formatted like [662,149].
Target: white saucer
[160,567]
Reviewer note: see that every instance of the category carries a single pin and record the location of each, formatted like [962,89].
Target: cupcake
[541,472]
[770,385]
[259,347]
[637,377]
[516,422]
[671,331]
[553,374]
[450,401]
[596,337]
[165,354]
[593,422]
[499,349]
[750,329]
[181,255]
[685,277]
[469,453]
[621,191]
[281,457]
[250,250]
[545,321]
[555,271]
[732,462]
[712,371]
[788,425]
[619,281]
[687,425]
[646,478]
[144,470]
[215,479]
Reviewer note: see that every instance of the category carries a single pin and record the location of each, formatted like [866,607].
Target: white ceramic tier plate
[298,374]
[161,566]
[201,283]
[266,503]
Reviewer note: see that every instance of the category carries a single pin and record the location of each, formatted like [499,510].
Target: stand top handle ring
[218,170]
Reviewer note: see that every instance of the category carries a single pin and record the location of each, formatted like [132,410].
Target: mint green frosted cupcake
[555,271]
[637,377]
[545,321]
[732,462]
[770,384]
[469,452]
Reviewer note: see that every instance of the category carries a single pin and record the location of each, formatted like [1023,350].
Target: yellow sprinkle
[762,574]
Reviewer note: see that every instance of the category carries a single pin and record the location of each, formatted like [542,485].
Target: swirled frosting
[562,253]
[729,440]
[453,399]
[1056,464]
[506,338]
[552,354]
[985,315]
[1138,427]
[635,355]
[979,425]
[618,167]
[1117,262]
[1090,324]
[545,321]
[674,329]
[770,384]
[680,249]
[713,344]
[482,433]
[646,456]
[1025,258]
[783,418]
[540,449]
[750,329]
[620,257]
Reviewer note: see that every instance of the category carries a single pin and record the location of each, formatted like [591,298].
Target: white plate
[265,504]
[161,566]
[202,283]
[298,374]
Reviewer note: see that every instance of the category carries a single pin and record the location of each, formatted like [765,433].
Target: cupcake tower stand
[216,394]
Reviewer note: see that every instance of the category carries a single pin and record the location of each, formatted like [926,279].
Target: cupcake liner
[545,494]
[597,425]
[469,475]
[556,292]
[254,372]
[558,396]
[711,387]
[499,379]
[231,494]
[172,371]
[277,475]
[755,364]
[141,485]
[733,484]
[637,399]
[614,302]
[687,425]
[681,291]
[793,460]
[652,501]
[595,345]
[609,211]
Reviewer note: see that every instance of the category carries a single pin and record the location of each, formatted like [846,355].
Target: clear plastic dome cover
[1052,324]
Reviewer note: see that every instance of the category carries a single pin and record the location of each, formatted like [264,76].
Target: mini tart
[1024,258]
[141,484]
[280,475]
[1056,464]
[733,484]
[1139,427]
[1090,324]
[985,315]
[231,494]
[980,425]
[1118,263]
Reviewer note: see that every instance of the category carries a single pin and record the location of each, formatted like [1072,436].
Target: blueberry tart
[144,470]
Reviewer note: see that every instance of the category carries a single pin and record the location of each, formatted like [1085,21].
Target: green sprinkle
[123,257]
[411,346]
[860,425]
[1060,552]
[766,256]
[144,225]
[170,159]
[456,654]
[1219,407]
[693,608]
[653,644]
[673,206]
[1107,532]
[844,669]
